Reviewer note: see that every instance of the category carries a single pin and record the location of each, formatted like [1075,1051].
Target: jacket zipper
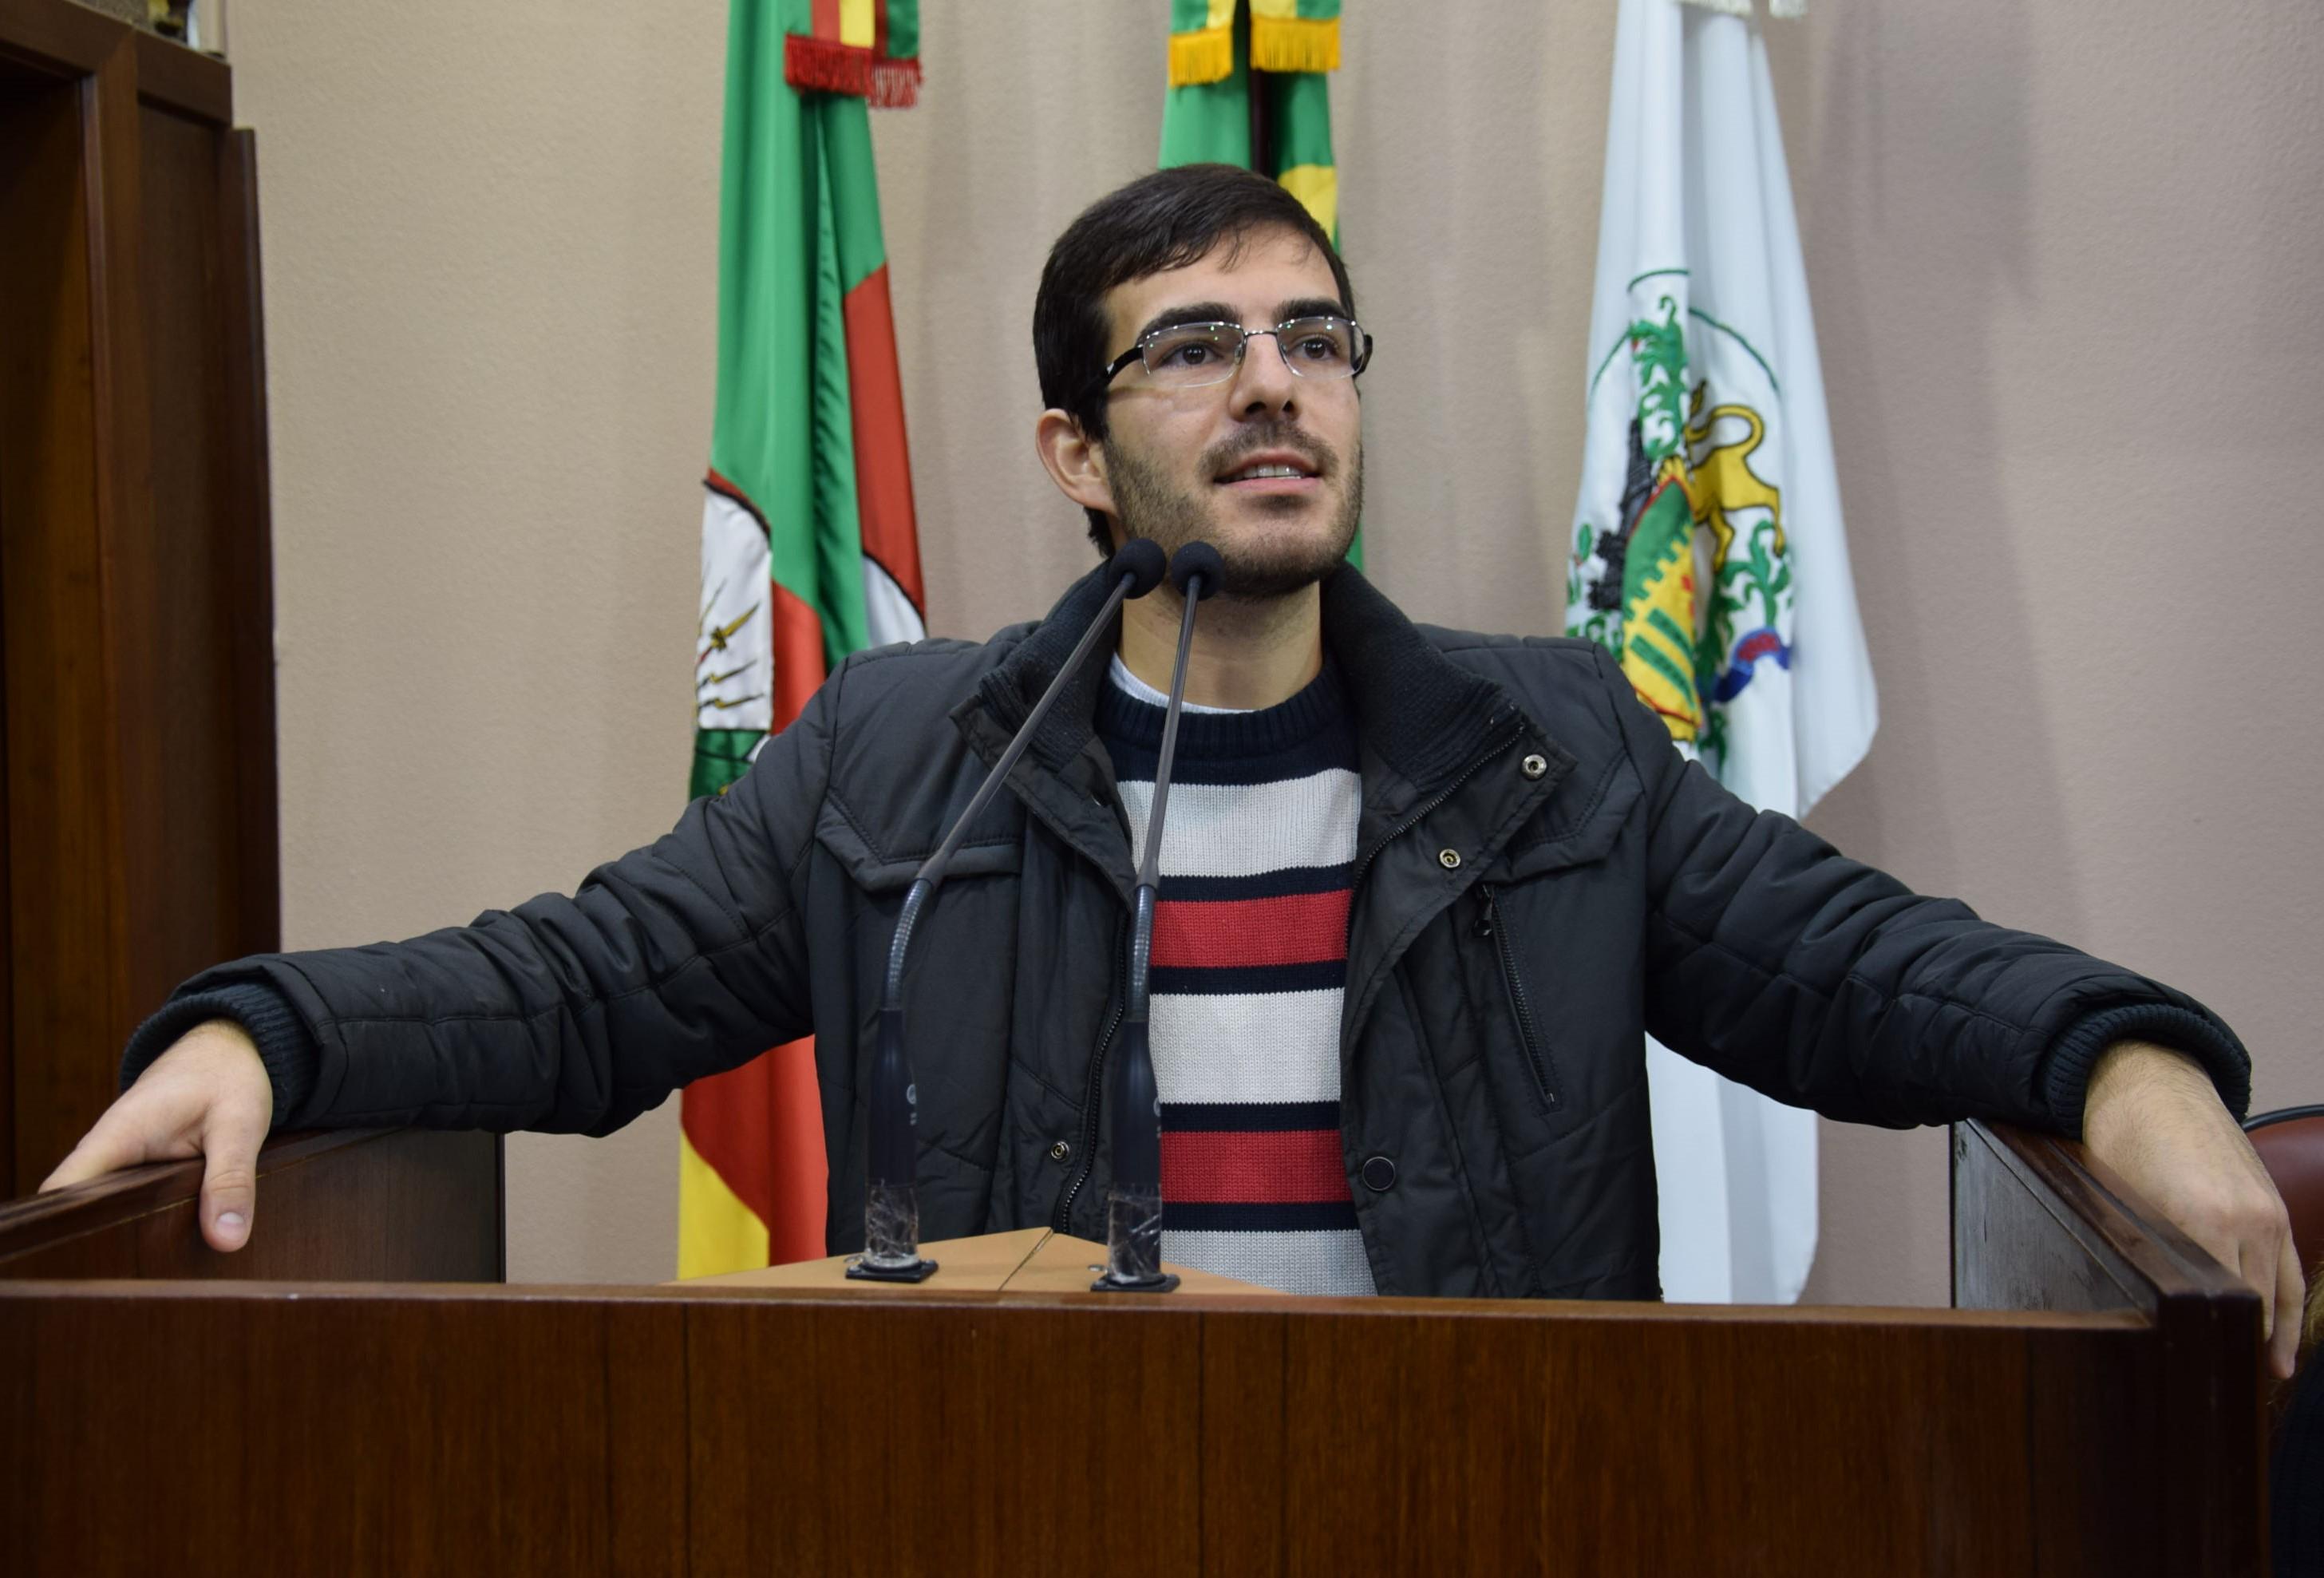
[1438,799]
[1061,1219]
[1492,925]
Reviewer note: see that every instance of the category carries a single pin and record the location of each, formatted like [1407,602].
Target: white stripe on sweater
[1273,1046]
[1240,830]
[1291,1262]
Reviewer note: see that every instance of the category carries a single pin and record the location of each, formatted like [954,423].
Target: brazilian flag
[1247,86]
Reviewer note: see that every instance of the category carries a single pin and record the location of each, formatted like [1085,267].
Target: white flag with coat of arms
[1708,554]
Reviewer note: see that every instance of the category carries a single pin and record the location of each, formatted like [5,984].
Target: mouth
[1271,471]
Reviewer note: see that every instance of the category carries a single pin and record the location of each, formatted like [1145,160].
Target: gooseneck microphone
[892,1213]
[1133,1203]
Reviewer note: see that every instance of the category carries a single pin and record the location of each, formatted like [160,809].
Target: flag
[1206,116]
[1215,48]
[1708,554]
[809,547]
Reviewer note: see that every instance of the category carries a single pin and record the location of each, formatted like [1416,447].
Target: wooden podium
[2091,1407]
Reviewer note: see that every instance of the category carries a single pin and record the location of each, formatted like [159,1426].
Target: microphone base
[1159,1282]
[860,1269]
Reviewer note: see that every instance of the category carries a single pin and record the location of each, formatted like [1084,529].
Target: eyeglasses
[1190,355]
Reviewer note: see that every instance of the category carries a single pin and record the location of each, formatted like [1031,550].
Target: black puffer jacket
[1541,881]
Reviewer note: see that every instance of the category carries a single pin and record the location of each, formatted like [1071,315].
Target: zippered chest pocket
[1493,928]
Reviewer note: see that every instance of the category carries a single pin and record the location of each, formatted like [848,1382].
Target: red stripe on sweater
[1296,928]
[1264,1169]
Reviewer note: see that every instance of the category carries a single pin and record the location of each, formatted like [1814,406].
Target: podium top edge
[930,1299]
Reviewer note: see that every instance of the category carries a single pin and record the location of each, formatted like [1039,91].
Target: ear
[1074,462]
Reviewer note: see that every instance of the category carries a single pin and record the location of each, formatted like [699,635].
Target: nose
[1265,383]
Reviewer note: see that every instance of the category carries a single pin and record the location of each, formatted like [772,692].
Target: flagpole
[1262,124]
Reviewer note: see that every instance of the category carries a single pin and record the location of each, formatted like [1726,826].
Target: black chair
[2291,1145]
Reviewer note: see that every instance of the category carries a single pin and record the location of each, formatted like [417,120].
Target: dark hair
[1164,220]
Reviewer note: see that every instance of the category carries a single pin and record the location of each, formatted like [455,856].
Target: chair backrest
[2291,1145]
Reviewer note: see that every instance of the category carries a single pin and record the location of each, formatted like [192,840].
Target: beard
[1153,505]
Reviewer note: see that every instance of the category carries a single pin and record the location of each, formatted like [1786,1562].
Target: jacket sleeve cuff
[2066,1078]
[284,1043]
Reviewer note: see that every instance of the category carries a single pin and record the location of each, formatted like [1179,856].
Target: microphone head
[1197,558]
[1140,559]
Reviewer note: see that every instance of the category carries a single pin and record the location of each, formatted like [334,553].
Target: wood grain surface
[135,620]
[384,1206]
[725,1428]
[819,1431]
[2040,1224]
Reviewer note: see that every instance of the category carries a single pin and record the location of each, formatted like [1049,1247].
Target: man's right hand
[208,1095]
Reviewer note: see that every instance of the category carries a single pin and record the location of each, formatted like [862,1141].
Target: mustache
[1221,458]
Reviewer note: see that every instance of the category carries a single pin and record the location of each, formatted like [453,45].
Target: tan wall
[2063,260]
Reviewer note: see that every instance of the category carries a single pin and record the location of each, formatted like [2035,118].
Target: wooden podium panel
[350,1429]
[391,1205]
[720,1426]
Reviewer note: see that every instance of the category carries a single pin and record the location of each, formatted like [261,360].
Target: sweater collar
[1420,712]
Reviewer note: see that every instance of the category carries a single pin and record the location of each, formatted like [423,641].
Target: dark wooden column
[135,609]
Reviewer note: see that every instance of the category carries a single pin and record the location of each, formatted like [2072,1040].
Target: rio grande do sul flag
[1708,554]
[809,547]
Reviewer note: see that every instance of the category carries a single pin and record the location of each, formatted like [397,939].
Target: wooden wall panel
[135,616]
[62,829]
[7,944]
[246,558]
[206,652]
[176,697]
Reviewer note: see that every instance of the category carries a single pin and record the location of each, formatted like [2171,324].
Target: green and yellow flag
[1285,35]
[1215,46]
[809,551]
[1220,50]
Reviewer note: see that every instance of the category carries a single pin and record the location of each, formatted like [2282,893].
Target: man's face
[1179,461]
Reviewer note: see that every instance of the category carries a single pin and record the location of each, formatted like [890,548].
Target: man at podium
[1423,893]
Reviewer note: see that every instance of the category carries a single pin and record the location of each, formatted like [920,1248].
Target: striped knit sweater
[1249,963]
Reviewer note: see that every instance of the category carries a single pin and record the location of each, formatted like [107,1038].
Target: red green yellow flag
[809,551]
[1219,49]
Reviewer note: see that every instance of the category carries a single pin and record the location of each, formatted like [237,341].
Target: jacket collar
[1416,710]
[1007,694]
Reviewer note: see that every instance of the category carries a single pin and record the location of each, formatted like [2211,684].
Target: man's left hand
[2153,1115]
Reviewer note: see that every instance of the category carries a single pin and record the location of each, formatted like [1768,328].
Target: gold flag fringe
[1293,43]
[1207,56]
